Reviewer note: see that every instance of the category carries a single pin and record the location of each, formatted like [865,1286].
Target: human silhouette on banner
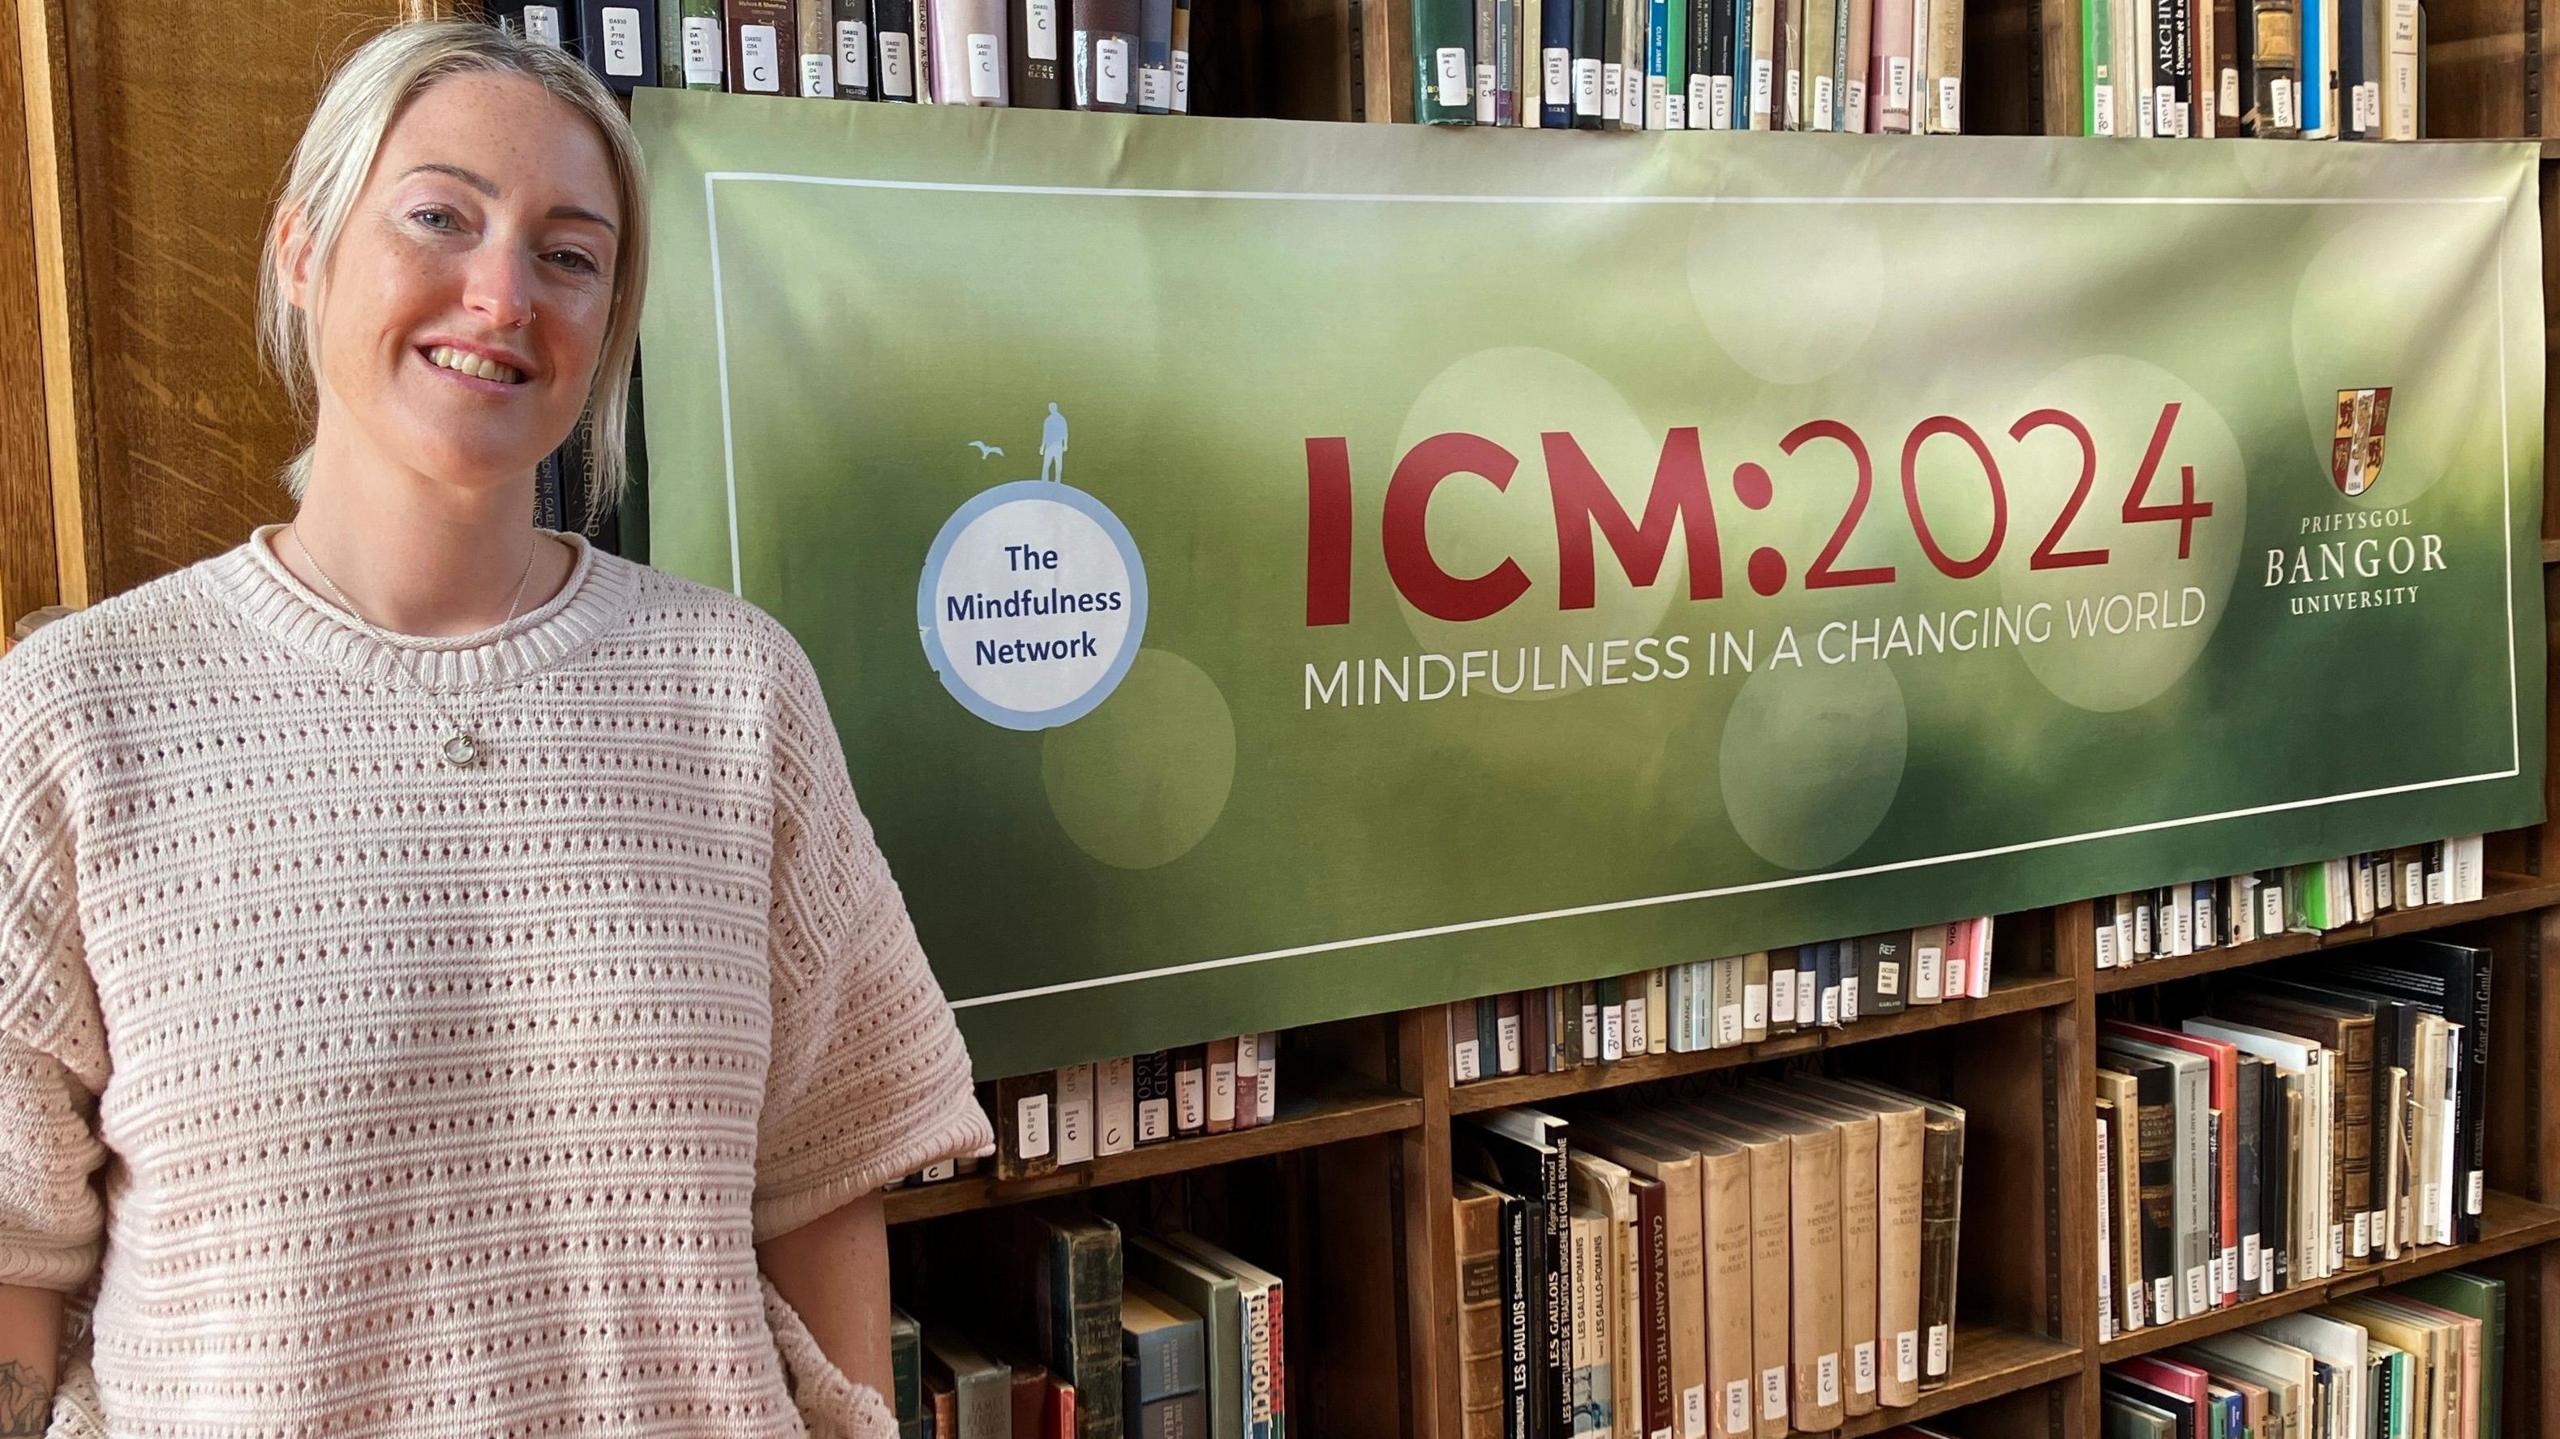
[1053,446]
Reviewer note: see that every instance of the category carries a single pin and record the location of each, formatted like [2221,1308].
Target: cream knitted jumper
[428,1102]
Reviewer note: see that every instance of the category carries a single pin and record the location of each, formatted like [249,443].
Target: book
[1266,1328]
[1217,1300]
[2350,1036]
[1219,1062]
[1155,58]
[1075,1140]
[2483,1299]
[1941,1226]
[1860,1237]
[763,46]
[1035,77]
[1025,1112]
[1647,1155]
[2190,1119]
[1476,1216]
[1105,40]
[2139,1216]
[1115,1120]
[1163,1353]
[906,1367]
[1527,1152]
[619,42]
[981,1388]
[1078,1328]
[1191,1090]
[853,50]
[893,38]
[968,51]
[814,38]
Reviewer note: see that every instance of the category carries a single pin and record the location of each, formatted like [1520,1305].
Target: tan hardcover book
[1901,1132]
[2435,1406]
[1725,1189]
[2123,1166]
[2395,1163]
[1945,98]
[1775,1278]
[1477,1211]
[1858,1231]
[1609,1188]
[1755,997]
[815,39]
[1768,1158]
[1676,1169]
[1818,1293]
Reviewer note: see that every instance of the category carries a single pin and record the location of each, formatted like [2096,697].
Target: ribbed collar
[598,591]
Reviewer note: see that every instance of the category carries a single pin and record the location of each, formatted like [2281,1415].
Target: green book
[1443,63]
[2484,1299]
[1080,1327]
[906,1366]
[1675,72]
[984,1387]
[1219,1302]
[2098,100]
[692,45]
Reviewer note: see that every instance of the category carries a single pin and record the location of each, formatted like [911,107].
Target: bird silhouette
[986,450]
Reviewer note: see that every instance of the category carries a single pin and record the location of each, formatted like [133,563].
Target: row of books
[2180,919]
[1889,67]
[1717,1003]
[1124,55]
[1085,1112]
[2278,69]
[1113,1336]
[2307,1124]
[2422,1360]
[1778,1255]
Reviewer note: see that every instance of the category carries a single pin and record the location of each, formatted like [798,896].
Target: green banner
[1268,572]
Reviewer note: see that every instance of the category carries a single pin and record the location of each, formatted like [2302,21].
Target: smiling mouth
[463,362]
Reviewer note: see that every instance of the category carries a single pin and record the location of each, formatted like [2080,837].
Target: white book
[1657,1035]
[2466,862]
[1266,1094]
[1928,965]
[1978,973]
[2341,1346]
[2106,1241]
[1114,1107]
[1075,1114]
[2300,1056]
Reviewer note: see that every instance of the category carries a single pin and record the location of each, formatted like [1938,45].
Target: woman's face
[463,312]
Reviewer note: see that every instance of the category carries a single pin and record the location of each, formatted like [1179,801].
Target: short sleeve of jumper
[869,1078]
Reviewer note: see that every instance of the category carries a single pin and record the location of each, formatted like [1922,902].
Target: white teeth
[465,363]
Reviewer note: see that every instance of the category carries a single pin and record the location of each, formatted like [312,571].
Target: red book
[1058,1411]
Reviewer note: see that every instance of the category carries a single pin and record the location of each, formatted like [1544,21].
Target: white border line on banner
[728,456]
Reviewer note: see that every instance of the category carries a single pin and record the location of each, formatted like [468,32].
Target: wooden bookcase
[138,434]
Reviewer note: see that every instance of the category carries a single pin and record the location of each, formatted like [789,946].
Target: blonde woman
[446,985]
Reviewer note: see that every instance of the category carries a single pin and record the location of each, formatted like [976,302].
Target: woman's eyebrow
[485,186]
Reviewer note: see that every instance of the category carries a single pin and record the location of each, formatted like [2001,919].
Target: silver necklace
[459,749]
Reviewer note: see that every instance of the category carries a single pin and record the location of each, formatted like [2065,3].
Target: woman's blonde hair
[337,152]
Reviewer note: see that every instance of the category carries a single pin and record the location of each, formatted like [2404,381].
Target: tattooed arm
[30,1335]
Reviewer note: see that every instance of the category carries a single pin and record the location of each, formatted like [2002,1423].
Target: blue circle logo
[1032,604]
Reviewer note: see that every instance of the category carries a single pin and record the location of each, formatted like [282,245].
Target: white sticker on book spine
[1937,1349]
[1506,1043]
[1586,87]
[542,24]
[986,67]
[1611,104]
[1190,1099]
[1693,1411]
[1854,109]
[1559,75]
[1897,82]
[2360,1237]
[2471,1194]
[2229,101]
[1720,102]
[853,55]
[1040,30]
[2198,1298]
[817,78]
[1155,1120]
[759,65]
[1031,1126]
[1675,112]
[2249,1260]
[1484,95]
[1760,87]
[1450,76]
[701,50]
[1862,1366]
[1782,996]
[1826,1380]
[1951,104]
[1906,1357]
[1111,70]
[1737,1406]
[2164,1297]
[1822,102]
[1795,99]
[1702,99]
[1755,1007]
[1182,82]
[621,41]
[897,72]
[1773,1392]
[1470,1065]
[2104,106]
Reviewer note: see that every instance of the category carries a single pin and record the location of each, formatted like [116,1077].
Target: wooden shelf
[1346,1111]
[1990,1361]
[2507,1224]
[2505,895]
[2010,996]
[2550,548]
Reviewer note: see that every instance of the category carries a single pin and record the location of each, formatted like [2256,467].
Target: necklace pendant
[460,751]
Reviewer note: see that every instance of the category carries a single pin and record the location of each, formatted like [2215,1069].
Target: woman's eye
[573,260]
[436,218]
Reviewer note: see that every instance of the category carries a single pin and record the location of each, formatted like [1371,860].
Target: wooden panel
[1429,1283]
[173,182]
[2475,63]
[1306,61]
[27,578]
[2014,62]
[62,298]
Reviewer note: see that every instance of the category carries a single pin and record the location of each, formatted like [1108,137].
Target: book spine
[1105,40]
[1249,1079]
[1945,99]
[1181,57]
[814,37]
[1941,1219]
[1519,1390]
[1219,1063]
[1654,1232]
[1085,1283]
[1155,57]
[1034,80]
[1152,1076]
[1075,1114]
[1115,1122]
[763,46]
[1026,1125]
[1191,1090]
[893,44]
